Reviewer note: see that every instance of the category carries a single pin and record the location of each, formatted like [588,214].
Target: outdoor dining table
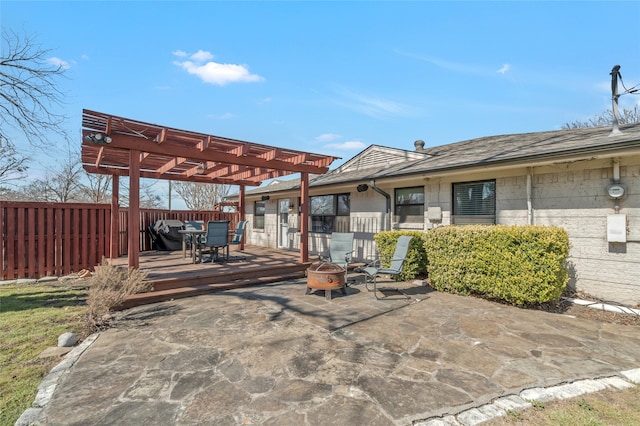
[195,234]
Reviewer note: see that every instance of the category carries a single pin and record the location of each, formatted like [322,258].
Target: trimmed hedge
[416,263]
[516,264]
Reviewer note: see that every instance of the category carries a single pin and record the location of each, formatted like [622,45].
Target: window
[474,202]
[258,214]
[330,213]
[409,206]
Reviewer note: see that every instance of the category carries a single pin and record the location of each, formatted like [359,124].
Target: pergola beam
[127,143]
[168,176]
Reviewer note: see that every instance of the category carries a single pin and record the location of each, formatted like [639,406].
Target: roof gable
[376,157]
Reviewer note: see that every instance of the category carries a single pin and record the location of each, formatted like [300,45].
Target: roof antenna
[615,73]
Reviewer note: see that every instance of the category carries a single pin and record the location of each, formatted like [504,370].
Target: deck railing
[56,239]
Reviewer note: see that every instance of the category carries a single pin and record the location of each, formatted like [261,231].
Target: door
[283,223]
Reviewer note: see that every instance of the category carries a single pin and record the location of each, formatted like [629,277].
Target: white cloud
[57,62]
[372,106]
[446,64]
[224,116]
[201,65]
[202,56]
[504,69]
[180,53]
[327,137]
[346,146]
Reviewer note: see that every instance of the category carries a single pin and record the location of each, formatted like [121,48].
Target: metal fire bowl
[325,276]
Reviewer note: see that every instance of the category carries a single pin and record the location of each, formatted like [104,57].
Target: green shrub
[515,264]
[416,263]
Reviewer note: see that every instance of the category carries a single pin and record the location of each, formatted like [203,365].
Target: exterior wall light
[362,187]
[98,138]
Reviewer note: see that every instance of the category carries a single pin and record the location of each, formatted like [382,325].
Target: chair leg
[375,288]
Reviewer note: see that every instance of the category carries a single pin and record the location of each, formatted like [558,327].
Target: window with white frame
[330,213]
[258,214]
[474,202]
[409,204]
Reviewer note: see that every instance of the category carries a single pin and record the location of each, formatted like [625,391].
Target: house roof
[377,162]
[173,154]
[522,148]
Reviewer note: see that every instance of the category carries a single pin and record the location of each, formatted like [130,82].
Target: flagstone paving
[272,355]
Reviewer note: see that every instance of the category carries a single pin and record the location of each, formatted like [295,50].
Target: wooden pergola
[120,146]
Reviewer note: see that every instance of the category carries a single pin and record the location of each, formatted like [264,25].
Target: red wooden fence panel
[55,239]
[51,239]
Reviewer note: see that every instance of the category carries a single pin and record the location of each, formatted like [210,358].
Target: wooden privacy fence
[43,239]
[56,239]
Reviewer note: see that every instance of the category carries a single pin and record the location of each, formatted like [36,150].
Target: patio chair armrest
[374,264]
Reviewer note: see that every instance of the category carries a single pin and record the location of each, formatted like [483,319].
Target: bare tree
[625,116]
[201,196]
[148,198]
[97,190]
[61,184]
[12,163]
[29,92]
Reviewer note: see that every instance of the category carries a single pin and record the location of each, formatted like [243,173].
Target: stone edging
[48,385]
[522,401]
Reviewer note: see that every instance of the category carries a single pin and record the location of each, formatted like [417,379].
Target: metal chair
[197,225]
[340,251]
[217,237]
[397,262]
[237,237]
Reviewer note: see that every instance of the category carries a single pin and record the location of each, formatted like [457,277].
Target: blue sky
[335,77]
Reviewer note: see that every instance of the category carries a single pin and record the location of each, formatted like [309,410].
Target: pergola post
[115,217]
[134,209]
[304,217]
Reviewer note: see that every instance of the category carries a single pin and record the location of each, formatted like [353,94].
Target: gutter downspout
[529,196]
[388,197]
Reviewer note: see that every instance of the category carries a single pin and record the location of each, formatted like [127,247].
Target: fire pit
[325,276]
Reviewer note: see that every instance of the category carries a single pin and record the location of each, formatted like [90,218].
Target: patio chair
[237,236]
[192,224]
[217,237]
[340,251]
[187,238]
[375,268]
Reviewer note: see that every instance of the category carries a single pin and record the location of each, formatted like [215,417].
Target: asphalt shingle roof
[491,150]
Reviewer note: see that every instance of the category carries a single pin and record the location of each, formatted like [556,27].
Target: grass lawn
[604,408]
[31,319]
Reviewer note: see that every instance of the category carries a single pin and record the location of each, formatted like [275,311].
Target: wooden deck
[174,276]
